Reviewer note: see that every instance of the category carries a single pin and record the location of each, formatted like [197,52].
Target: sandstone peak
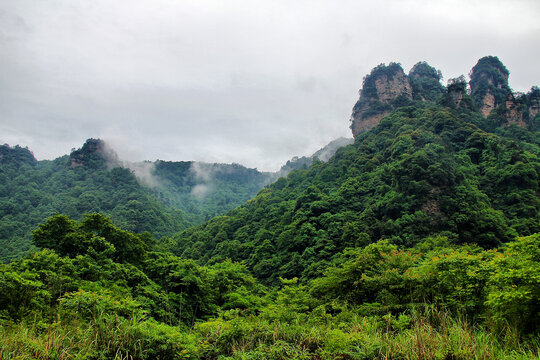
[384,89]
[387,88]
[489,84]
[425,82]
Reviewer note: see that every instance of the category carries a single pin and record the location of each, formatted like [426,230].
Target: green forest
[421,240]
[91,179]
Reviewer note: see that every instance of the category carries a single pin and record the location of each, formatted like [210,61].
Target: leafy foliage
[376,302]
[92,180]
[425,82]
[203,191]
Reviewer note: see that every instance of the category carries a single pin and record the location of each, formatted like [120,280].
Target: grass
[418,337]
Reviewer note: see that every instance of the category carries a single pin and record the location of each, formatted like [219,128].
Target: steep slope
[387,236]
[384,89]
[161,197]
[387,88]
[425,82]
[489,84]
[205,190]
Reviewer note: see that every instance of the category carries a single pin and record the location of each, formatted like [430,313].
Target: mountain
[81,183]
[387,87]
[160,197]
[427,168]
[205,190]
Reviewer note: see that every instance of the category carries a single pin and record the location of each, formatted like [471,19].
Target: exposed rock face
[534,102]
[487,105]
[489,84]
[514,112]
[367,122]
[386,88]
[389,88]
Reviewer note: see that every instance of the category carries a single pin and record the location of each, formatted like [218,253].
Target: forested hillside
[205,190]
[161,197]
[31,191]
[171,196]
[100,292]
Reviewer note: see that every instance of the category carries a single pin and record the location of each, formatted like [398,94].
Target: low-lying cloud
[143,170]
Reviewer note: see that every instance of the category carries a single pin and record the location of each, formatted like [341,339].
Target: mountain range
[161,197]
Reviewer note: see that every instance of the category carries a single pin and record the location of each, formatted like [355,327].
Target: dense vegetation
[425,82]
[170,196]
[100,292]
[202,190]
[32,191]
[489,75]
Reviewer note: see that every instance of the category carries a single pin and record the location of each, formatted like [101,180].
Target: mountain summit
[387,88]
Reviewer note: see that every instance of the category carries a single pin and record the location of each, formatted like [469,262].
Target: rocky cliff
[387,88]
[489,84]
[514,111]
[384,89]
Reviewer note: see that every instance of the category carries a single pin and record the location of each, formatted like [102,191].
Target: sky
[231,81]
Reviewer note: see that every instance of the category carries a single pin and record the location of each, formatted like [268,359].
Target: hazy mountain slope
[404,241]
[427,161]
[161,197]
[204,190]
[323,154]
[74,185]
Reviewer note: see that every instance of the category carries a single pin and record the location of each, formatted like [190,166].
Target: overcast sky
[245,81]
